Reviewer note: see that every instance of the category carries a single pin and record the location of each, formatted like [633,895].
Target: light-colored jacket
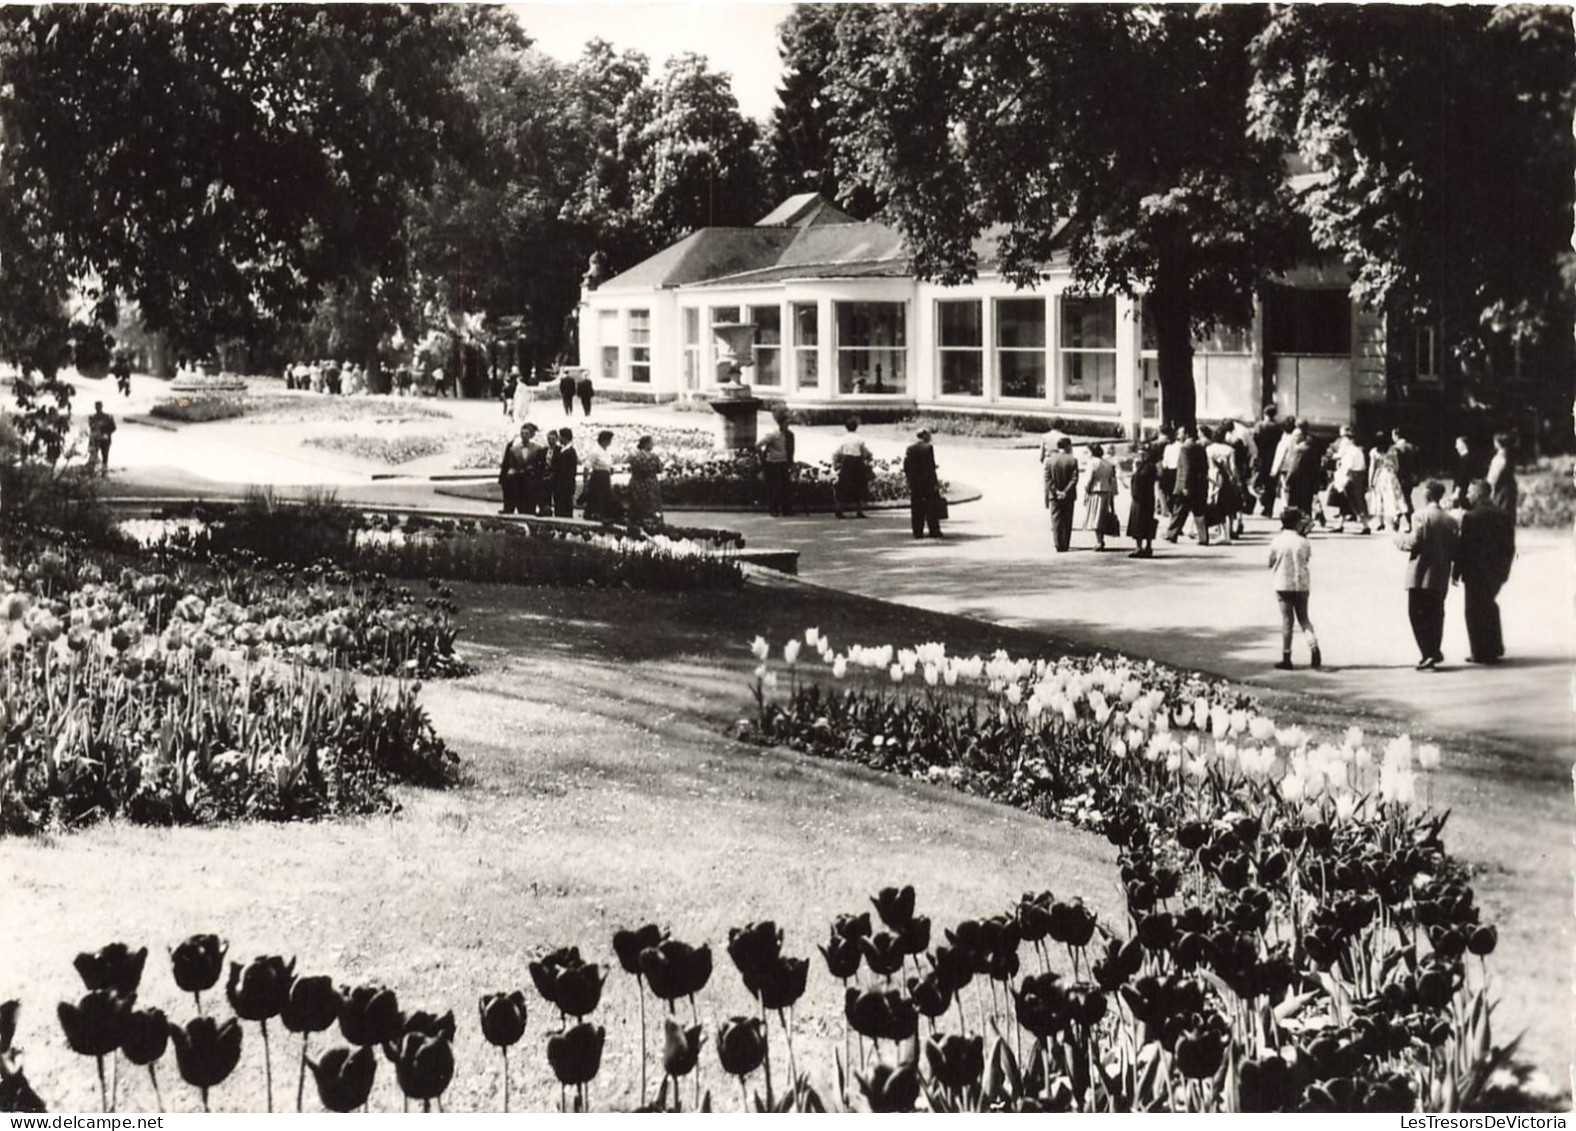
[1289,556]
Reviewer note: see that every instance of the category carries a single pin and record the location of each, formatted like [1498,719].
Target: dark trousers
[1268,486]
[564,500]
[516,495]
[568,397]
[778,500]
[1181,510]
[924,514]
[1062,522]
[1168,486]
[1483,628]
[1426,610]
[585,401]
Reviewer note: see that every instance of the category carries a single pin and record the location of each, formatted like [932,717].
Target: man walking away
[1266,437]
[1192,489]
[101,429]
[924,487]
[1289,557]
[1351,473]
[566,392]
[585,389]
[1405,472]
[1061,492]
[776,451]
[852,462]
[1483,559]
[1431,550]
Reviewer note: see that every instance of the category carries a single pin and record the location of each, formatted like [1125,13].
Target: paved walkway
[1207,608]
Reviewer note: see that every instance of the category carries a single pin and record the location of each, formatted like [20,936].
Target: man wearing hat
[924,488]
[1061,492]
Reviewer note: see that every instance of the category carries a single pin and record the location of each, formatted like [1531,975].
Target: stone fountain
[733,400]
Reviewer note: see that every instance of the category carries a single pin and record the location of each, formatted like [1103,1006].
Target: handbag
[942,510]
[1110,525]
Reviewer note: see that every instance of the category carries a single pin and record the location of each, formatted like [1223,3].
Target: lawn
[603,791]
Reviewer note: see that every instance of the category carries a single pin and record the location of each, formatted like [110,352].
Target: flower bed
[733,481]
[199,409]
[1548,494]
[392,450]
[484,450]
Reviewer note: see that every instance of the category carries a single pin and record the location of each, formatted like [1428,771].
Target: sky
[739,38]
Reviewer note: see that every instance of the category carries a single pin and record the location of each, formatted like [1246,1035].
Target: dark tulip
[1167,881]
[1157,932]
[883,953]
[1448,943]
[852,926]
[544,972]
[1319,837]
[145,1034]
[1190,950]
[1436,1034]
[754,949]
[842,957]
[741,1045]
[576,1055]
[1246,829]
[1324,945]
[1266,1085]
[889,1089]
[344,1077]
[895,906]
[429,1025]
[206,1051]
[930,997]
[1199,1053]
[261,989]
[312,1005]
[424,1064]
[956,1062]
[8,1012]
[1042,1005]
[1483,940]
[503,1018]
[784,982]
[1292,837]
[1233,871]
[1336,1095]
[879,1015]
[953,968]
[1141,896]
[94,1026]
[114,967]
[1273,868]
[1121,962]
[628,945]
[198,962]
[1086,1004]
[674,969]
[681,1048]
[369,1015]
[1033,916]
[580,989]
[914,938]
[1191,835]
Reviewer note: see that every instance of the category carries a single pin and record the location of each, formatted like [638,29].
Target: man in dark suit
[515,475]
[1431,552]
[565,473]
[1483,559]
[1405,472]
[1192,490]
[1061,492]
[924,486]
[1267,435]
[566,392]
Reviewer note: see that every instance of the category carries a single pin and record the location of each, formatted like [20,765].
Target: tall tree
[1115,132]
[1446,166]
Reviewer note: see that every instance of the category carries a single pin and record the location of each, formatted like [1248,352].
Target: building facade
[837,318]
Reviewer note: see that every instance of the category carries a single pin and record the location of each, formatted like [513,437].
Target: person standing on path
[1469,466]
[521,402]
[851,461]
[1170,453]
[565,474]
[1226,493]
[1048,449]
[1101,490]
[585,389]
[1061,491]
[1289,556]
[1351,477]
[101,430]
[645,492]
[1266,437]
[1502,476]
[1385,483]
[514,472]
[1300,470]
[599,479]
[1191,496]
[924,486]
[1431,552]
[1141,521]
[1405,472]
[776,452]
[1283,449]
[566,392]
[1483,559]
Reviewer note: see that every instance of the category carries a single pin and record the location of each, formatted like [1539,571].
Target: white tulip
[840,667]
[791,652]
[896,672]
[1428,756]
[812,636]
[760,648]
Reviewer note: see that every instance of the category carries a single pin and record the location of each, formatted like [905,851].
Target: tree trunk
[1171,302]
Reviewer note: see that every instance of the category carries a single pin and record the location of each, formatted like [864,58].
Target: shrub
[1548,494]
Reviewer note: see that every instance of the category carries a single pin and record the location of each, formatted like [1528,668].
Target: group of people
[542,478]
[331,378]
[519,392]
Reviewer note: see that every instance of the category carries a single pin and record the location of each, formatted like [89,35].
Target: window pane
[1089,377]
[1020,323]
[809,369]
[691,326]
[871,371]
[962,373]
[768,324]
[1022,373]
[639,326]
[724,314]
[768,366]
[961,324]
[1089,323]
[1308,322]
[806,324]
[868,324]
[610,363]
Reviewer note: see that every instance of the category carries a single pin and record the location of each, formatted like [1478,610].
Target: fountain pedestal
[732,400]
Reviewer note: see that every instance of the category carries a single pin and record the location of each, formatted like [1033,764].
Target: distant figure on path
[924,486]
[101,430]
[599,479]
[1191,495]
[1483,560]
[1141,521]
[1226,493]
[1266,437]
[1351,479]
[565,474]
[1301,471]
[585,389]
[1405,472]
[1048,449]
[1431,552]
[1469,466]
[1170,453]
[514,474]
[1502,476]
[776,452]
[566,392]
[1385,483]
[645,492]
[851,461]
[520,403]
[1289,557]
[1061,490]
[1101,490]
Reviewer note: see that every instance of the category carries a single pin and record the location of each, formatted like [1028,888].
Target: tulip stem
[301,1079]
[103,1088]
[114,1080]
[506,1080]
[197,994]
[268,1068]
[766,1041]
[158,1097]
[641,985]
[204,1098]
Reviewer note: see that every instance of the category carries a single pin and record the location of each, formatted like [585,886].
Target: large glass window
[1020,347]
[1088,350]
[1308,322]
[691,347]
[960,341]
[872,347]
[807,344]
[721,316]
[640,346]
[768,344]
[607,336]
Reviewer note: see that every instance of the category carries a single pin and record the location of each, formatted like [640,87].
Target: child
[1289,554]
